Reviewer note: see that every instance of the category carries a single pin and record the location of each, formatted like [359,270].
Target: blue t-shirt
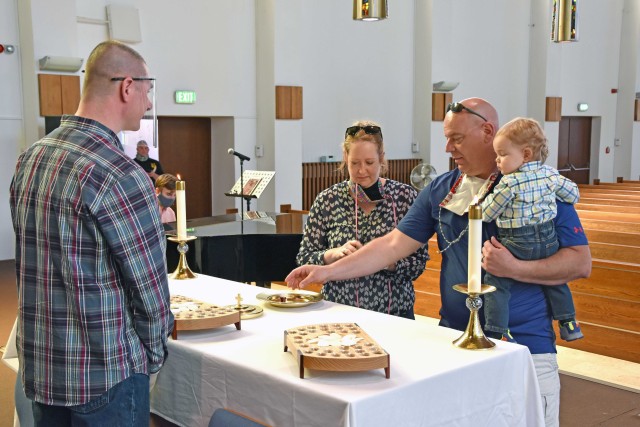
[529,317]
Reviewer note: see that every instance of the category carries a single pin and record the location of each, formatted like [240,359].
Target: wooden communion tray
[191,315]
[342,347]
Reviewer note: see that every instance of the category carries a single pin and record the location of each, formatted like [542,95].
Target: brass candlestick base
[473,337]
[182,271]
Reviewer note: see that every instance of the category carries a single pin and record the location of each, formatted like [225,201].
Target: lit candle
[181,216]
[475,248]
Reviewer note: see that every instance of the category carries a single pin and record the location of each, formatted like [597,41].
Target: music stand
[249,186]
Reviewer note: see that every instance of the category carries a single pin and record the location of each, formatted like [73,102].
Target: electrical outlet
[414,147]
[259,151]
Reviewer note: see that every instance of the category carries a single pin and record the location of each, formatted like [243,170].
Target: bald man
[152,167]
[441,209]
[94,312]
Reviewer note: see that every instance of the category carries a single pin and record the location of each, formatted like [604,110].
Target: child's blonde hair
[525,132]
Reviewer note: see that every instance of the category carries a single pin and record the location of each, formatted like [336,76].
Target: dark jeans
[125,404]
[527,243]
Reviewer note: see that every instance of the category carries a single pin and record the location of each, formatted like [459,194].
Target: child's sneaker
[570,330]
[507,337]
[502,337]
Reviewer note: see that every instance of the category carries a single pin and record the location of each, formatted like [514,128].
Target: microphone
[238,155]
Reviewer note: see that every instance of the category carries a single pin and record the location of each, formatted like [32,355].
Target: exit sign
[185,97]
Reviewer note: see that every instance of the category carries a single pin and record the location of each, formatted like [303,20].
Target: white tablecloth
[433,383]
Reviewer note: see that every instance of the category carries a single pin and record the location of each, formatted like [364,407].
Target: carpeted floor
[583,403]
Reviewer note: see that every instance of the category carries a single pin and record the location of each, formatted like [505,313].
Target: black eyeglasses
[369,130]
[137,79]
[456,107]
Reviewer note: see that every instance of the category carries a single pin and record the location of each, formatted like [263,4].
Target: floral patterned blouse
[332,222]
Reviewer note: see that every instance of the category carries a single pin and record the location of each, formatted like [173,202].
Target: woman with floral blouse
[350,214]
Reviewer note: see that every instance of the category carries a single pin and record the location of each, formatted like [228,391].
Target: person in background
[166,193]
[523,206]
[94,311]
[441,208]
[348,215]
[152,167]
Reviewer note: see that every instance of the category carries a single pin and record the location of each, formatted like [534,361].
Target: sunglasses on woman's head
[456,107]
[369,130]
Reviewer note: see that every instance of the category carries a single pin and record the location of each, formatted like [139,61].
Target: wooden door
[185,150]
[574,148]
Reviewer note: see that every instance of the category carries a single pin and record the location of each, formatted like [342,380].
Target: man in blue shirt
[94,315]
[440,208]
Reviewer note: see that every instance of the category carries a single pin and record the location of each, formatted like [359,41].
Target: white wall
[233,53]
[11,124]
[588,70]
[355,70]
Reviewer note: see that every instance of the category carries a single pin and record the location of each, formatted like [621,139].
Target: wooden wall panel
[50,90]
[70,87]
[439,102]
[553,109]
[296,102]
[319,176]
[289,102]
[59,94]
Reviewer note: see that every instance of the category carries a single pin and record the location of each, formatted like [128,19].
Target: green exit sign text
[185,97]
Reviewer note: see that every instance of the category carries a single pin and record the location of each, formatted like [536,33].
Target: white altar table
[432,383]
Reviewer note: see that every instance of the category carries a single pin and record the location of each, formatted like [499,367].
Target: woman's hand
[335,254]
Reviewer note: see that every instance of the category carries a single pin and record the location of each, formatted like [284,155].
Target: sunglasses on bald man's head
[457,107]
[369,130]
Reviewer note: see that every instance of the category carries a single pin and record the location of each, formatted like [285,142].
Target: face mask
[142,158]
[165,201]
[373,194]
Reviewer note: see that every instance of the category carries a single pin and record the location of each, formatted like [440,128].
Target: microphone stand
[242,193]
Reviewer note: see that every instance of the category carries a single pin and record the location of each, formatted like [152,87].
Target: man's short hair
[142,143]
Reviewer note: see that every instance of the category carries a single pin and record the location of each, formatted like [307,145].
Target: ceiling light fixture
[370,10]
[564,21]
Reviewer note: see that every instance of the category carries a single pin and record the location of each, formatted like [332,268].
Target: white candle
[181,216]
[475,248]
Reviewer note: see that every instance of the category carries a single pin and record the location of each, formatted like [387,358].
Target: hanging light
[369,10]
[564,21]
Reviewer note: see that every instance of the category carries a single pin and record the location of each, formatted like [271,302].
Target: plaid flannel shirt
[90,263]
[528,196]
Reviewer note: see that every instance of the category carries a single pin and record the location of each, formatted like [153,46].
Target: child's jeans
[530,242]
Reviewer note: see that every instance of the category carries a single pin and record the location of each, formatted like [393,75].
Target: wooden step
[610,225]
[613,252]
[609,202]
[613,237]
[610,194]
[608,208]
[609,216]
[605,341]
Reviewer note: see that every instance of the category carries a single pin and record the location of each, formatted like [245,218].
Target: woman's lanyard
[395,223]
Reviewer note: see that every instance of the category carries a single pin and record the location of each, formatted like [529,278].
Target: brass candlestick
[473,337]
[182,271]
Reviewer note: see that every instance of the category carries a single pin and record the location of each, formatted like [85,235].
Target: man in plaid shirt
[94,312]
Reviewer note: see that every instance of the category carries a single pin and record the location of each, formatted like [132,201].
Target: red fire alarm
[607,150]
[1,48]
[614,90]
